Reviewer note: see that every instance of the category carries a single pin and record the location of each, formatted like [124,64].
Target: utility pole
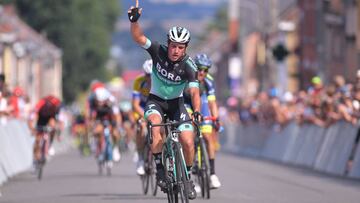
[234,8]
[234,60]
[274,15]
[358,33]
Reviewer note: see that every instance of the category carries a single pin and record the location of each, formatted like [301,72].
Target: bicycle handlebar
[209,118]
[44,129]
[171,123]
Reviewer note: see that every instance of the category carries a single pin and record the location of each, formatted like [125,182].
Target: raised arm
[137,34]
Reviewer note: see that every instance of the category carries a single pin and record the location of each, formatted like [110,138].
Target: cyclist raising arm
[173,69]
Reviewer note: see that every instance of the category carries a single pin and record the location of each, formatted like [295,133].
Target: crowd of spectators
[320,104]
[14,103]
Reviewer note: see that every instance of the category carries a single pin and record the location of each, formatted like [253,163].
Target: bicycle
[148,179]
[44,132]
[105,156]
[201,164]
[82,139]
[173,161]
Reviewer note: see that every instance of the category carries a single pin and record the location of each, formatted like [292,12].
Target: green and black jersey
[168,79]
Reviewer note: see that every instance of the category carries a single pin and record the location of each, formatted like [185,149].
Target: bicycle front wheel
[42,161]
[204,171]
[182,191]
[151,173]
[145,179]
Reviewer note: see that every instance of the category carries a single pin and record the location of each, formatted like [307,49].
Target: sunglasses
[203,70]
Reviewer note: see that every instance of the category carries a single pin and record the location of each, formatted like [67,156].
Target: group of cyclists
[173,84]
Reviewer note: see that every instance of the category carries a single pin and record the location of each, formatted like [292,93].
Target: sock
[188,168]
[158,161]
[212,166]
[140,156]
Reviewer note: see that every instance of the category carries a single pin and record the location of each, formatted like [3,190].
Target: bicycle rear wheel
[41,162]
[182,191]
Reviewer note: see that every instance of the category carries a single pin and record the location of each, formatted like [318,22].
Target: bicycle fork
[108,147]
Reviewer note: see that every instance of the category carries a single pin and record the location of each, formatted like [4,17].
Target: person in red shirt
[16,102]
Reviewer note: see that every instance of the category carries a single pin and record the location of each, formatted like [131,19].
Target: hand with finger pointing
[134,13]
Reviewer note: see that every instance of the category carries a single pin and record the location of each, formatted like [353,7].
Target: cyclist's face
[176,51]
[101,103]
[202,72]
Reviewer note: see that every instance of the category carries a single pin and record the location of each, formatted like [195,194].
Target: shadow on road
[113,196]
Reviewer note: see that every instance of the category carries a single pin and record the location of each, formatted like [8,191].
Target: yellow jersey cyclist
[209,108]
[141,90]
[172,69]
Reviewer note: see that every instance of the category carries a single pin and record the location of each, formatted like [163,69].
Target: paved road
[70,178]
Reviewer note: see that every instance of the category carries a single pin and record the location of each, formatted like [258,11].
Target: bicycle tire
[40,171]
[170,190]
[146,177]
[205,167]
[108,169]
[152,175]
[181,189]
[42,160]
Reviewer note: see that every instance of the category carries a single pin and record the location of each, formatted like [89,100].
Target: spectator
[3,86]
[16,102]
[4,111]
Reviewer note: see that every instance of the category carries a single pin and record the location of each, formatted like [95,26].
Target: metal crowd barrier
[323,149]
[16,148]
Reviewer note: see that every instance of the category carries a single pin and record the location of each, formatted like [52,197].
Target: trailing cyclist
[172,70]
[209,109]
[141,89]
[97,87]
[104,111]
[46,113]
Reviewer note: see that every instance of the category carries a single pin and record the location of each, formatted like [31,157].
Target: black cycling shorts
[44,120]
[173,108]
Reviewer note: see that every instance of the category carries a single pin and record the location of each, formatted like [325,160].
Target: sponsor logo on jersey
[166,74]
[183,116]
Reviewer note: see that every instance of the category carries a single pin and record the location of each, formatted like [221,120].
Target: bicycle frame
[44,132]
[105,157]
[169,152]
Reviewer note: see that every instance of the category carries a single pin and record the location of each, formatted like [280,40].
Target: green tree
[220,21]
[81,28]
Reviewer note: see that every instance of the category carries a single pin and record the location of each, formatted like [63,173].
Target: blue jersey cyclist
[208,109]
[172,71]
